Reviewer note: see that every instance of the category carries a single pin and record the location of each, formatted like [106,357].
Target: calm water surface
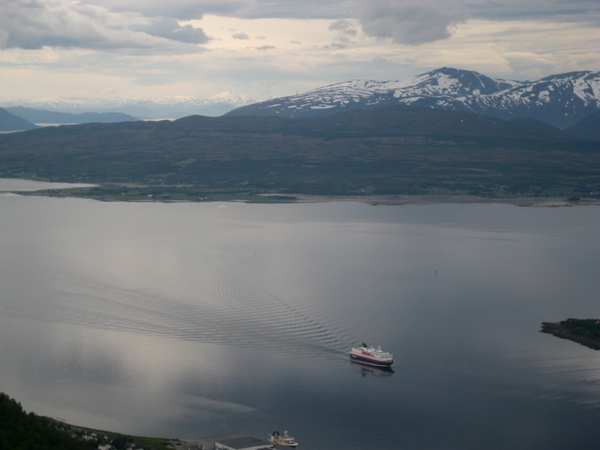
[190,320]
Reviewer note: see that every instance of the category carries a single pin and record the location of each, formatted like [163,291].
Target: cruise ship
[372,356]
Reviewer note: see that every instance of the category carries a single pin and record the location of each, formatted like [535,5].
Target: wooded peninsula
[583,331]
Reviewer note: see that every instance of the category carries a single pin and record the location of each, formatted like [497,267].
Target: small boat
[372,356]
[283,441]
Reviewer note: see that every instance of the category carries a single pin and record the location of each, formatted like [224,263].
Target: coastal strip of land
[177,194]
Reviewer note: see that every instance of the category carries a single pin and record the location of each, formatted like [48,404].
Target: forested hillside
[397,150]
[22,431]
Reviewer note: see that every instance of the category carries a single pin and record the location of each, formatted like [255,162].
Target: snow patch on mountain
[559,100]
[172,107]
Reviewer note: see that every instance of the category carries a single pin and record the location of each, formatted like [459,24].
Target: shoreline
[433,199]
[275,198]
[187,193]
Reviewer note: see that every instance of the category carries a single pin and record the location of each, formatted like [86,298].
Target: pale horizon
[108,49]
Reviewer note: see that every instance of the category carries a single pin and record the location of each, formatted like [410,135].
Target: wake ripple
[203,300]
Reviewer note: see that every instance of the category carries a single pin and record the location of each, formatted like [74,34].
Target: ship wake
[203,300]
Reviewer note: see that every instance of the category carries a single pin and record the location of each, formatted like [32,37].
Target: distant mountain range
[40,116]
[149,108]
[559,100]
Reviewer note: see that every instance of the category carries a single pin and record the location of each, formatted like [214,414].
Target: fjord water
[190,320]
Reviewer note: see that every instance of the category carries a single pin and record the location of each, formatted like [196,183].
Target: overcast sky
[271,48]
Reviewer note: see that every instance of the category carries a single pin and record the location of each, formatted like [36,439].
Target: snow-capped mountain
[149,108]
[560,100]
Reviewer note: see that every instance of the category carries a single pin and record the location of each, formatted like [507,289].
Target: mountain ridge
[559,100]
[587,128]
[10,122]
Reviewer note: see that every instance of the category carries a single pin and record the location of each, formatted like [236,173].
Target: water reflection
[192,320]
[365,370]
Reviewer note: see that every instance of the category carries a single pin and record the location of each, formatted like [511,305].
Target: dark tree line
[585,328]
[27,431]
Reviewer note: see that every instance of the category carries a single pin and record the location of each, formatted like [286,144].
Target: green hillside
[398,150]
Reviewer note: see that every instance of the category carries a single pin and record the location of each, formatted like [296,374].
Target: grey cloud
[441,12]
[170,29]
[179,9]
[297,9]
[343,26]
[33,24]
[344,9]
[339,9]
[265,47]
[407,22]
[248,9]
[241,36]
[547,10]
[338,45]
[152,24]
[22,24]
[345,29]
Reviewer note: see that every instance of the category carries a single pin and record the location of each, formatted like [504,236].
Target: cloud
[243,36]
[343,26]
[265,47]
[340,9]
[111,24]
[177,9]
[170,29]
[35,24]
[345,29]
[246,9]
[536,10]
[199,47]
[407,22]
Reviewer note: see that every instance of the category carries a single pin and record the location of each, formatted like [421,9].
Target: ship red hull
[371,361]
